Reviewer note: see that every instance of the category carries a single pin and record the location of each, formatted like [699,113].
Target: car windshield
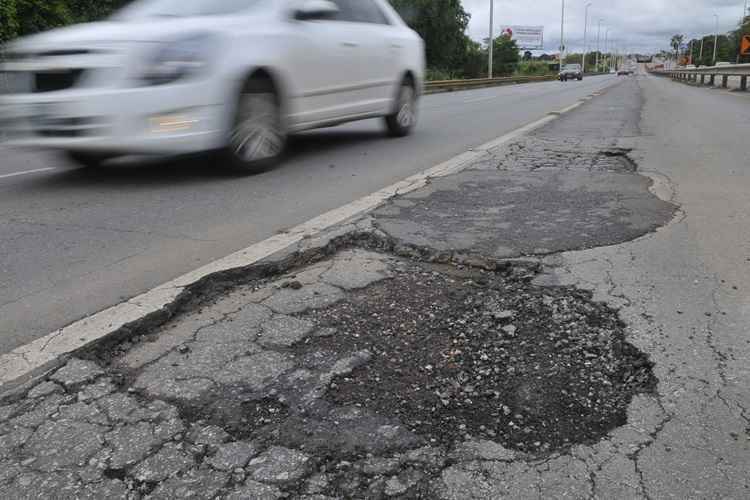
[572,67]
[185,8]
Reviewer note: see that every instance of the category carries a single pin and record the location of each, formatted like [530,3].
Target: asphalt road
[73,243]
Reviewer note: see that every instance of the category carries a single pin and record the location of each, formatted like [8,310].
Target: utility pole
[716,38]
[690,58]
[492,41]
[700,55]
[598,37]
[585,39]
[562,35]
[606,49]
[742,25]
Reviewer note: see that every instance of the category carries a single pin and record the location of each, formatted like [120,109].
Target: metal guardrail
[709,73]
[435,87]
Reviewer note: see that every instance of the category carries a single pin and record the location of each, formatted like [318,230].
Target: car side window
[360,11]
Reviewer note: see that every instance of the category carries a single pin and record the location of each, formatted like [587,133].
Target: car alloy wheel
[406,112]
[402,121]
[257,135]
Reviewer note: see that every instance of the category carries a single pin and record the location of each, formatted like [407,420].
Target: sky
[635,25]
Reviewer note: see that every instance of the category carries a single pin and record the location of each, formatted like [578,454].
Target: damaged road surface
[362,376]
[504,332]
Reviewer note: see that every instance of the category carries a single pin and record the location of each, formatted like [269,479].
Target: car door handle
[350,44]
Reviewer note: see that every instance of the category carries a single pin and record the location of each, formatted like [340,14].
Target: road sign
[527,37]
[745,46]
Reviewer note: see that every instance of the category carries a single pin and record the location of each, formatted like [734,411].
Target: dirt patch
[458,354]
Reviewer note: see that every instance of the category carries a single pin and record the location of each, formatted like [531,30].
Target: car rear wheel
[403,120]
[257,137]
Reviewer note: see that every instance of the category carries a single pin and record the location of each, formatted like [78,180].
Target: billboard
[527,37]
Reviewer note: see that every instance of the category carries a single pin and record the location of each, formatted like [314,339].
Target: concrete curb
[26,364]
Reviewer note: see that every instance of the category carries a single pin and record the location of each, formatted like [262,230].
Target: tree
[506,54]
[442,25]
[676,42]
[25,17]
[8,20]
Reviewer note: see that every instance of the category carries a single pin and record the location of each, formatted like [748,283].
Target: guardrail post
[724,81]
[743,83]
[703,79]
[712,80]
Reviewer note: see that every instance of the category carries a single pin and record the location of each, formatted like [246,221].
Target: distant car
[238,76]
[723,63]
[624,72]
[571,72]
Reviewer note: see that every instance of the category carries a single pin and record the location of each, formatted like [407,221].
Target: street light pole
[562,35]
[606,49]
[491,43]
[716,37]
[598,37]
[742,25]
[585,38]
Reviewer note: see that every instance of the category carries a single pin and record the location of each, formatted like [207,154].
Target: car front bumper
[166,119]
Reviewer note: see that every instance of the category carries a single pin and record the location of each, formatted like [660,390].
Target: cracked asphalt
[365,363]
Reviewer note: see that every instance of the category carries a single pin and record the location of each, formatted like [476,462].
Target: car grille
[58,80]
[18,82]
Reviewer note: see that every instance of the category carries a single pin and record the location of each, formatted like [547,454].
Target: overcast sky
[639,25]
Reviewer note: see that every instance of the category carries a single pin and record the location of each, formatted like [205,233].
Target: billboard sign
[526,37]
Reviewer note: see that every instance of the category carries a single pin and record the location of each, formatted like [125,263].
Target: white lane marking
[27,172]
[28,362]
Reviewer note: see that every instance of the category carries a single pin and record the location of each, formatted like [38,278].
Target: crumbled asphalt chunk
[445,365]
[279,465]
[253,490]
[168,462]
[44,389]
[77,372]
[231,456]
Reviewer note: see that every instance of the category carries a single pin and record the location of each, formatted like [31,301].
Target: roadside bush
[533,68]
[435,74]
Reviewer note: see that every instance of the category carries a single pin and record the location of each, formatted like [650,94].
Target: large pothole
[459,354]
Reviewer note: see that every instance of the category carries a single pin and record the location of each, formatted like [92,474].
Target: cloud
[634,25]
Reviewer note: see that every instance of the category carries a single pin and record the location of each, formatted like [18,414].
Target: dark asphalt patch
[485,355]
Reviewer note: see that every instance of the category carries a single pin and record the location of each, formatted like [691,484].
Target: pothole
[459,354]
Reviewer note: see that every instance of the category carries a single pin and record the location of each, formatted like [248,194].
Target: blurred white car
[183,76]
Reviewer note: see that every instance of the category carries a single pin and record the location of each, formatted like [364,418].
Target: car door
[318,64]
[375,70]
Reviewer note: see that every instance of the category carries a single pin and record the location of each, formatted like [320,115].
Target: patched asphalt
[567,186]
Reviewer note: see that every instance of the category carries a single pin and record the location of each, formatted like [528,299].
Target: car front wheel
[403,120]
[257,138]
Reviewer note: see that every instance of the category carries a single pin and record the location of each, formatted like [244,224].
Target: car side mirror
[315,9]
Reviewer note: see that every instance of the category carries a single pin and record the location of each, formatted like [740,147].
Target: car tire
[257,138]
[87,159]
[580,78]
[402,121]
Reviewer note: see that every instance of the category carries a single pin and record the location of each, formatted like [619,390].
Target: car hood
[115,32]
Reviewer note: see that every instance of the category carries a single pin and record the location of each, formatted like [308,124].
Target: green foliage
[442,24]
[676,42]
[434,75]
[535,68]
[506,54]
[26,17]
[8,20]
[34,16]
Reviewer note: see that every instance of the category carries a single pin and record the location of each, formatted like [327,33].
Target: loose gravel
[459,354]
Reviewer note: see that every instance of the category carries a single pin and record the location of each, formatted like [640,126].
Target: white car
[184,76]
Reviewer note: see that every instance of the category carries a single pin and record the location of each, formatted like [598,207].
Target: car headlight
[179,59]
